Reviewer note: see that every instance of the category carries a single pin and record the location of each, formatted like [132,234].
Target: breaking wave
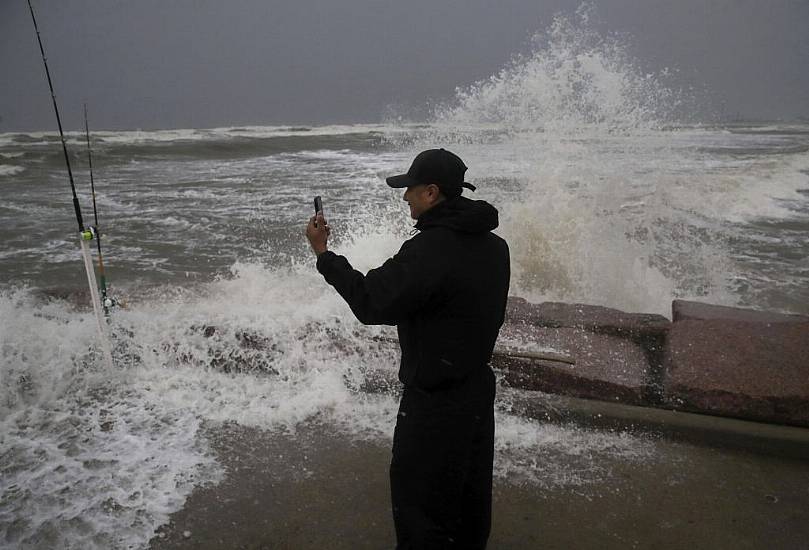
[577,146]
[575,80]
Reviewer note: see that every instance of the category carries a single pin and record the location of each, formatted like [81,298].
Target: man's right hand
[318,232]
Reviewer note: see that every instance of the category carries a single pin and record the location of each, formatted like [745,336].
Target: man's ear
[435,192]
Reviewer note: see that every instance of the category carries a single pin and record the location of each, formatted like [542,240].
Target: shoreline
[318,489]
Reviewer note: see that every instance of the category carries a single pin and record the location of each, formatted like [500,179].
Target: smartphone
[318,205]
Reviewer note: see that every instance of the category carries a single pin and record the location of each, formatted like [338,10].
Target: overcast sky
[202,63]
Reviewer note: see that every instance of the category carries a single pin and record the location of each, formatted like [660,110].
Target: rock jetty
[710,359]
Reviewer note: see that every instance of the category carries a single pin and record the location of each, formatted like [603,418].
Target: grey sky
[202,63]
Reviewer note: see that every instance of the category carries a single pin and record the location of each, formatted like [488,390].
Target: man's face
[421,198]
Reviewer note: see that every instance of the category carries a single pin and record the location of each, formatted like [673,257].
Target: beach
[315,489]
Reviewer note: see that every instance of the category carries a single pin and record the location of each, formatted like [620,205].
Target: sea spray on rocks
[99,459]
[573,141]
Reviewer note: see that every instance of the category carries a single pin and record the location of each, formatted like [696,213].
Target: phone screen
[318,205]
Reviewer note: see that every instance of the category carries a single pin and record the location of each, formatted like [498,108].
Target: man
[445,290]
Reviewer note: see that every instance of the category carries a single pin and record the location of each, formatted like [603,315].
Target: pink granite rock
[599,319]
[645,330]
[606,367]
[683,310]
[752,370]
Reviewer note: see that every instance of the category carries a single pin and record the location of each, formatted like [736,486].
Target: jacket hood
[461,214]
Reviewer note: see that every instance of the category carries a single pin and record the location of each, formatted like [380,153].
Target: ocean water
[604,197]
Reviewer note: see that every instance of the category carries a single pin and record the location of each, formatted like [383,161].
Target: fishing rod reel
[89,233]
[111,302]
[108,302]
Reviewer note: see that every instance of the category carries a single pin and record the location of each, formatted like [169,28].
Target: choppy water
[630,219]
[603,199]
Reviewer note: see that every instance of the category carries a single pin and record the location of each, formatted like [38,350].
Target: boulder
[683,310]
[646,330]
[599,319]
[753,370]
[606,367]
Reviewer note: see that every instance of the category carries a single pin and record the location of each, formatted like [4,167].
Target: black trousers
[441,470]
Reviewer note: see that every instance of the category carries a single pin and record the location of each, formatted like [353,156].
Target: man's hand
[318,233]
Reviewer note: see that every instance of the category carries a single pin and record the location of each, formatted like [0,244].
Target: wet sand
[318,489]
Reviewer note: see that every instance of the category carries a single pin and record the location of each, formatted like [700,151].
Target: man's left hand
[318,233]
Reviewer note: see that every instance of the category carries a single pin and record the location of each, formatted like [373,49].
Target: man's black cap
[438,166]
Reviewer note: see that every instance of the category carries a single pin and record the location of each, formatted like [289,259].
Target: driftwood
[535,355]
[505,352]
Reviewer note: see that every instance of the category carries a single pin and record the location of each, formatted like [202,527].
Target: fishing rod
[85,234]
[76,206]
[105,301]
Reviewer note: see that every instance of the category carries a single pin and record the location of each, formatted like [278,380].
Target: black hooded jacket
[445,290]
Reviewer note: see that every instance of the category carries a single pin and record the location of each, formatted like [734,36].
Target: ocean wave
[265,347]
[135,137]
[9,170]
[575,80]
[605,196]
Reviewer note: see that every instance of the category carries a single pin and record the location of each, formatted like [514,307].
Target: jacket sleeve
[387,294]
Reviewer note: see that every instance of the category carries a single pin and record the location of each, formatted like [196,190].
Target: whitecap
[9,170]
